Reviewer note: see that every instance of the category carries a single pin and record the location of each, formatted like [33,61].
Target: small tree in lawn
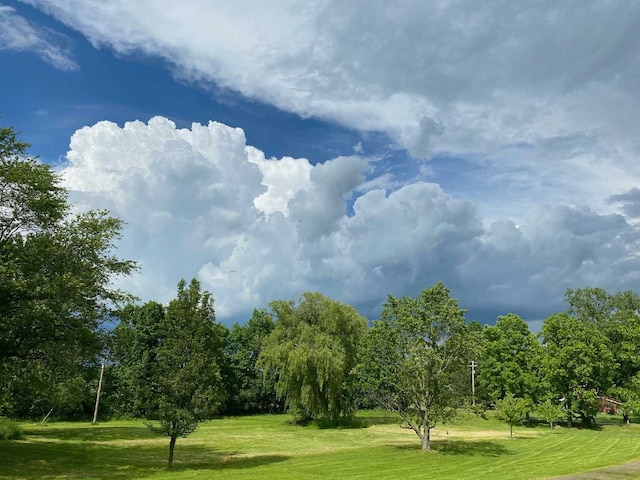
[188,375]
[550,412]
[413,357]
[512,410]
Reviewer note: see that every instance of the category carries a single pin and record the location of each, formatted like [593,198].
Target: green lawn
[268,446]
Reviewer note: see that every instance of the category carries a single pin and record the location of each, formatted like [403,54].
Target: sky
[358,149]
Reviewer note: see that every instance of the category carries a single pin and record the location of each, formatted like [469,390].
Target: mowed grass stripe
[270,447]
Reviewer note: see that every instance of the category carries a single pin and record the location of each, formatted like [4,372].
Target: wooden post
[47,416]
[95,410]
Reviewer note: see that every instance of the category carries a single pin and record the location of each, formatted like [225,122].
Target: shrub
[10,429]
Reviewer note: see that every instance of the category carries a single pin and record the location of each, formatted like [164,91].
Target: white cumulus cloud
[201,202]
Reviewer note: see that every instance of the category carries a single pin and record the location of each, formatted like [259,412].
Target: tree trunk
[172,446]
[625,418]
[511,430]
[569,419]
[426,439]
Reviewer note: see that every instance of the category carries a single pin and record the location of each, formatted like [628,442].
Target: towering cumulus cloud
[200,202]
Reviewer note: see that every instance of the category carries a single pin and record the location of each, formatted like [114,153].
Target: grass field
[270,447]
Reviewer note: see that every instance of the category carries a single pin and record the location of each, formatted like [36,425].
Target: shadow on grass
[360,422]
[483,448]
[346,424]
[596,427]
[91,433]
[52,459]
[379,420]
[353,423]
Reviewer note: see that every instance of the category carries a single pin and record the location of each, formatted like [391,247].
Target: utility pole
[95,410]
[473,366]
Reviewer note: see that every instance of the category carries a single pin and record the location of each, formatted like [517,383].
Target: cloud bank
[541,96]
[201,202]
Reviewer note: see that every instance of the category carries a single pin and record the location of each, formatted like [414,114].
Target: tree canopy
[413,357]
[511,359]
[312,354]
[56,274]
[248,389]
[186,370]
[577,364]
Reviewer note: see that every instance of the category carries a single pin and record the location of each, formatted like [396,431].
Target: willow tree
[312,354]
[413,357]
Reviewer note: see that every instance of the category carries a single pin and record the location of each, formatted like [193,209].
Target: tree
[134,344]
[577,364]
[186,373]
[512,410]
[247,388]
[510,359]
[629,395]
[550,412]
[56,272]
[414,356]
[622,329]
[618,318]
[31,198]
[312,354]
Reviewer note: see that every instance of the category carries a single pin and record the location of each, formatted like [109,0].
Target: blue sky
[355,148]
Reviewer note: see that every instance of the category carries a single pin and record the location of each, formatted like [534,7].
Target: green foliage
[550,412]
[30,195]
[414,356]
[185,373]
[312,354]
[478,410]
[248,389]
[134,344]
[55,275]
[510,359]
[10,429]
[618,318]
[629,395]
[577,364]
[512,410]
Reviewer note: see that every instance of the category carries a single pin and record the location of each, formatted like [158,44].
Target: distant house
[609,405]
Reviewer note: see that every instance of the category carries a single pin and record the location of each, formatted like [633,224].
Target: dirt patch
[497,434]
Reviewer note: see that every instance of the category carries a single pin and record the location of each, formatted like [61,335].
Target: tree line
[176,366]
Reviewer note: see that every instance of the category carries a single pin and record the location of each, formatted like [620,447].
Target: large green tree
[617,317]
[56,272]
[511,357]
[312,354]
[577,364]
[186,371]
[414,356]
